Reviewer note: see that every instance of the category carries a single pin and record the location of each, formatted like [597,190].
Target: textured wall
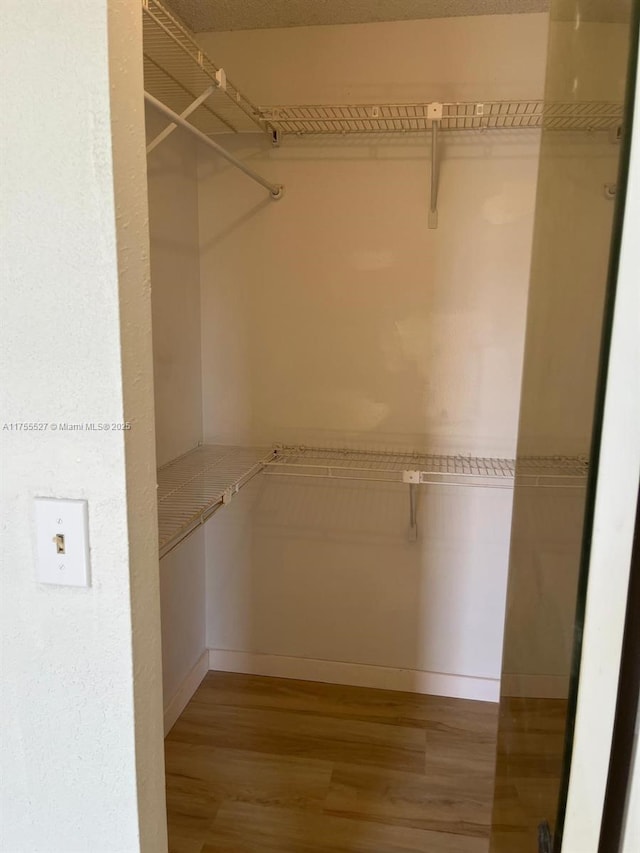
[81,742]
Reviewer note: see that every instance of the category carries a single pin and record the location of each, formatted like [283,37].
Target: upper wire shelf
[407,118]
[177,71]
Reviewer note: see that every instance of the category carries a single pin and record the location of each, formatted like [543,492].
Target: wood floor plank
[243,828]
[262,765]
[346,702]
[191,808]
[450,803]
[182,844]
[304,735]
[252,777]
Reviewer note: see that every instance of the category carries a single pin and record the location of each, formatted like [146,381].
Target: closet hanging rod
[276,190]
[171,127]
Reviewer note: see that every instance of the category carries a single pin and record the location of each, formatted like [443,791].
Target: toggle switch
[62,541]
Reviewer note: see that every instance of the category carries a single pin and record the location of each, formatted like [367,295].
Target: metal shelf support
[434,113]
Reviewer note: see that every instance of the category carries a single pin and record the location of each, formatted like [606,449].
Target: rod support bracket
[278,192]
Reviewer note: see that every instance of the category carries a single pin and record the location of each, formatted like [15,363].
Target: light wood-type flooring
[267,765]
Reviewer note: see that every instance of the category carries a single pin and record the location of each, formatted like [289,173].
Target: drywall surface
[175,290]
[182,593]
[446,59]
[337,317]
[324,571]
[82,765]
[252,14]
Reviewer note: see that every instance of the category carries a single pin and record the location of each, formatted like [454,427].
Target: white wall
[175,290]
[337,316]
[182,597]
[82,763]
[325,572]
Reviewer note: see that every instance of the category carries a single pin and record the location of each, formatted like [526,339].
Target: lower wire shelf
[192,487]
[428,468]
[391,467]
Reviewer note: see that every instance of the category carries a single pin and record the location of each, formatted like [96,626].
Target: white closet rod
[171,127]
[276,190]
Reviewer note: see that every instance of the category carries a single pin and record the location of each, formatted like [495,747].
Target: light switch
[62,541]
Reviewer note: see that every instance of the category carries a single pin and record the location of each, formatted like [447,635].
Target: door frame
[610,515]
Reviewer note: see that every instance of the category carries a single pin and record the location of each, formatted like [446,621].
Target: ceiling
[224,15]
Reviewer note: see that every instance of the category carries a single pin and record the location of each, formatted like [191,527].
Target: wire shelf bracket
[435,113]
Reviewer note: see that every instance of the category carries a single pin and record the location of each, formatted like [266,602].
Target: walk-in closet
[351,274]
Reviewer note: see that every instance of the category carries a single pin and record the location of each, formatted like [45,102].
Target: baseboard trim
[358,675]
[535,686]
[183,694]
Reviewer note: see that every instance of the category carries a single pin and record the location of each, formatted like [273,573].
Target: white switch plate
[62,561]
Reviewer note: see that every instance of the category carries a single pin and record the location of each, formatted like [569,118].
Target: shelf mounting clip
[434,113]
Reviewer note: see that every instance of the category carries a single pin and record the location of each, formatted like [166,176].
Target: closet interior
[341,221]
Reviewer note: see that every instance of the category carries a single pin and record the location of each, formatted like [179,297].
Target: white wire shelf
[390,467]
[424,468]
[192,487]
[405,118]
[177,71]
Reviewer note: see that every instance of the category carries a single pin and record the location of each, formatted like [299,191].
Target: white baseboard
[357,675]
[190,684]
[536,686]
